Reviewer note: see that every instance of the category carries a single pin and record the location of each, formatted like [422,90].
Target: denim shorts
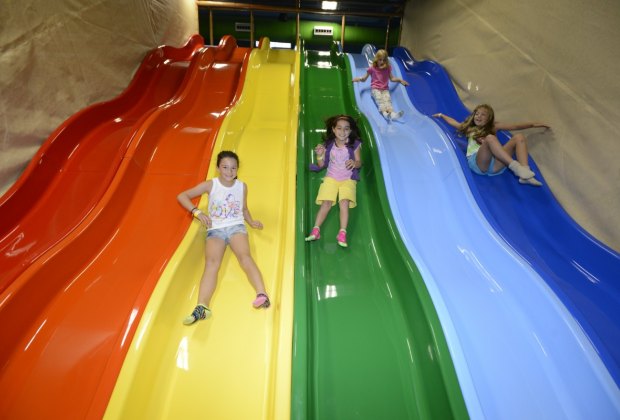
[227,232]
[473,165]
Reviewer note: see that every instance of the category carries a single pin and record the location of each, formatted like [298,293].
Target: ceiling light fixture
[329,5]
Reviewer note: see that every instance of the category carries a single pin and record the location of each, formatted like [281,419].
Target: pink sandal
[261,301]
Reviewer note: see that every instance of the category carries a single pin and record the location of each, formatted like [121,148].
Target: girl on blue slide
[380,73]
[485,154]
[341,154]
[227,211]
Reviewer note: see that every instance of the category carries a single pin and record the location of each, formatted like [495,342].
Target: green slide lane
[367,341]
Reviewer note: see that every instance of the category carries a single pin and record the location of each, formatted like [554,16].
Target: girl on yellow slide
[224,221]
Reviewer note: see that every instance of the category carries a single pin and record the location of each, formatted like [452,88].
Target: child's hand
[203,218]
[319,150]
[541,125]
[349,164]
[404,83]
[256,224]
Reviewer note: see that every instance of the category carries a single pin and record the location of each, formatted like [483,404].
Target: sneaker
[397,115]
[261,301]
[200,312]
[314,235]
[342,238]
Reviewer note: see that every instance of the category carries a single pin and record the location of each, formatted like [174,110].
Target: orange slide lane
[75,165]
[68,320]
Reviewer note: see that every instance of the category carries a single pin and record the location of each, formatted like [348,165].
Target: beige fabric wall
[57,57]
[555,61]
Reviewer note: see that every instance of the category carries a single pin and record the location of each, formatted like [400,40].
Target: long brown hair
[330,136]
[468,127]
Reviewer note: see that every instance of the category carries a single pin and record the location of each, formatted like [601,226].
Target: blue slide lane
[584,273]
[517,350]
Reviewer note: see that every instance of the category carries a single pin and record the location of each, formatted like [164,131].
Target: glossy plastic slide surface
[74,167]
[581,271]
[367,340]
[236,364]
[518,352]
[68,320]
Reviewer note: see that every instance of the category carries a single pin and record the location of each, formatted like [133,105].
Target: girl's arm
[361,78]
[246,211]
[519,126]
[185,199]
[320,155]
[451,121]
[357,163]
[397,80]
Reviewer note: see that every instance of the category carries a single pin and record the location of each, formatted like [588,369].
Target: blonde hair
[468,127]
[381,54]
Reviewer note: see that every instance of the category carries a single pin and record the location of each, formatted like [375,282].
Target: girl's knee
[246,261]
[344,204]
[212,264]
[519,138]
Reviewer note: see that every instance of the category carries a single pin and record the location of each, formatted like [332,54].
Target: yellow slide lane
[237,364]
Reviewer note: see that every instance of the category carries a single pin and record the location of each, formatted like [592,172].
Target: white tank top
[226,204]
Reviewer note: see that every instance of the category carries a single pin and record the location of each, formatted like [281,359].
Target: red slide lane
[68,320]
[75,165]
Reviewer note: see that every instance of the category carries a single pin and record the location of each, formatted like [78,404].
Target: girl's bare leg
[344,214]
[214,252]
[492,147]
[240,245]
[503,154]
[518,143]
[322,213]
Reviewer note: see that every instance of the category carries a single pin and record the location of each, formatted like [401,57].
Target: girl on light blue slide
[380,73]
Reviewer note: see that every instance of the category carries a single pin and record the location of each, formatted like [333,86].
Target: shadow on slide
[74,167]
[236,364]
[367,341]
[490,303]
[579,269]
[69,317]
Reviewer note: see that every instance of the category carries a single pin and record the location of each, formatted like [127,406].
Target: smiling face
[342,129]
[228,170]
[481,117]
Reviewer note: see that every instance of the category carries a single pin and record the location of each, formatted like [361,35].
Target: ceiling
[352,8]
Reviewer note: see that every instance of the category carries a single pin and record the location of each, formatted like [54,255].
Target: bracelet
[193,210]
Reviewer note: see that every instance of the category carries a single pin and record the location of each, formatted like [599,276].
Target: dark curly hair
[329,137]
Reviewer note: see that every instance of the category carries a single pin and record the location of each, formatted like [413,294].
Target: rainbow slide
[80,159]
[68,318]
[237,364]
[517,350]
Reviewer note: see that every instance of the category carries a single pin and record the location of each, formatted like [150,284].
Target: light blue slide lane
[517,351]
